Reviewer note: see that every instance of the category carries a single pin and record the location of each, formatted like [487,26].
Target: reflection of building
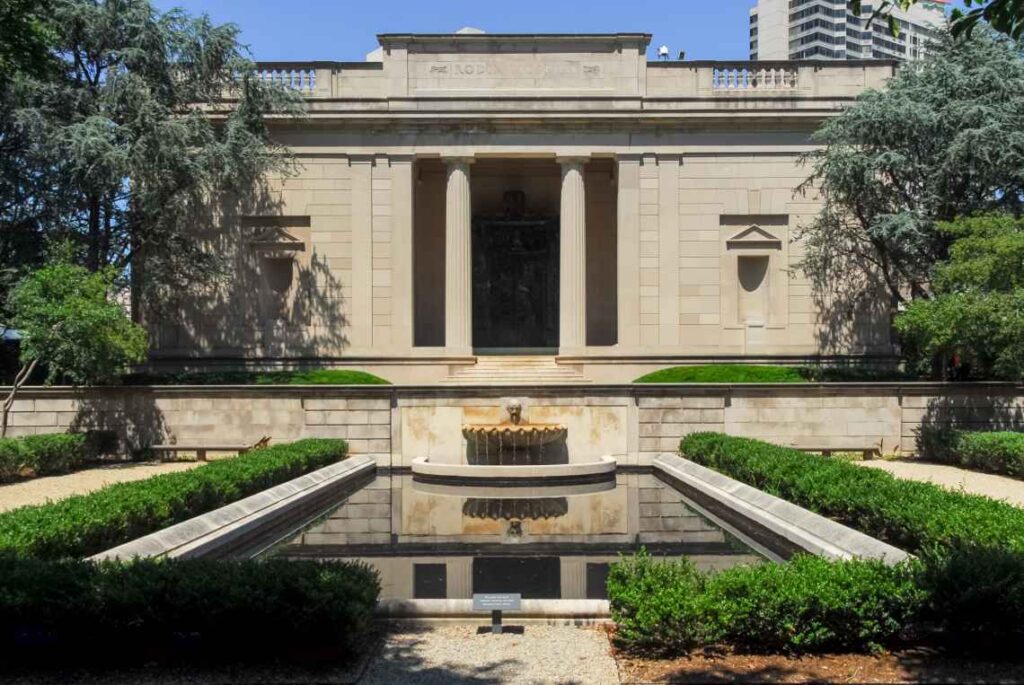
[829,29]
[538,194]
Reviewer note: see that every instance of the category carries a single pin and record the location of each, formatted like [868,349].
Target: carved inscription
[470,69]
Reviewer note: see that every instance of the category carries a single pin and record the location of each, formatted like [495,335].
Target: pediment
[277,239]
[754,237]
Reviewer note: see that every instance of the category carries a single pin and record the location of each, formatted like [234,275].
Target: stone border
[216,533]
[576,609]
[770,520]
[540,472]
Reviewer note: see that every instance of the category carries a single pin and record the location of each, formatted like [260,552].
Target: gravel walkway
[41,490]
[997,487]
[459,654]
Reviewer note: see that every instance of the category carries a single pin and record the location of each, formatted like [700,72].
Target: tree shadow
[973,411]
[402,661]
[131,415]
[272,297]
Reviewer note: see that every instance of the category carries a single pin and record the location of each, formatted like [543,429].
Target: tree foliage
[1005,16]
[944,140]
[977,312]
[69,320]
[25,39]
[132,144]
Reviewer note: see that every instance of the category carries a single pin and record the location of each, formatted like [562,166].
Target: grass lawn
[303,377]
[726,373]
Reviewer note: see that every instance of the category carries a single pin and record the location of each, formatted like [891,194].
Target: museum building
[479,207]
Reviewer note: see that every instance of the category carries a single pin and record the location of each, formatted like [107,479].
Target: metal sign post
[496,603]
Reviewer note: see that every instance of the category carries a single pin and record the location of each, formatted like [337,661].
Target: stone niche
[280,250]
[754,274]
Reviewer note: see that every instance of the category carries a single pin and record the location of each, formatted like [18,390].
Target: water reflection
[434,540]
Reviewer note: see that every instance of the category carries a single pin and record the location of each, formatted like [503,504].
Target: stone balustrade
[750,76]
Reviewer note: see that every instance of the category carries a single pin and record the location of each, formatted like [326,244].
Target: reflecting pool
[433,541]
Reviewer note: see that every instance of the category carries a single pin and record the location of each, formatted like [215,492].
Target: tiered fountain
[513,452]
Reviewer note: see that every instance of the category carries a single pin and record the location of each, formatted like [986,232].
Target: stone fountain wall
[631,423]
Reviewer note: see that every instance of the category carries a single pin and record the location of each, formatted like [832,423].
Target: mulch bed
[907,666]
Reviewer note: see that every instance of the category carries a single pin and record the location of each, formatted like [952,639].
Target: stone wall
[632,423]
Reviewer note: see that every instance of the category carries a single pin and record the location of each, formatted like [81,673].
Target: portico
[475,194]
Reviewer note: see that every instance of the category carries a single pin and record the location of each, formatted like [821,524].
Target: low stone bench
[869,452]
[201,450]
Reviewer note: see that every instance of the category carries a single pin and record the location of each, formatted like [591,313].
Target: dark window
[532,577]
[430,581]
[597,581]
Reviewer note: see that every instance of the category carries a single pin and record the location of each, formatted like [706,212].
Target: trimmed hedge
[74,612]
[765,373]
[806,605]
[43,455]
[306,377]
[992,451]
[971,547]
[908,514]
[87,524]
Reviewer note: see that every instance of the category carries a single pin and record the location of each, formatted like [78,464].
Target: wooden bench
[869,452]
[201,450]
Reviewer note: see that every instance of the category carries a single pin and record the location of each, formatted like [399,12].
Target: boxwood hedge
[971,548]
[806,605]
[992,451]
[75,612]
[43,455]
[86,524]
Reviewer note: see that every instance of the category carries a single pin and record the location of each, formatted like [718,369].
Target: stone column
[572,329]
[401,252]
[458,278]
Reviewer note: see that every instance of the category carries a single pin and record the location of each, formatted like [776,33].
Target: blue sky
[344,30]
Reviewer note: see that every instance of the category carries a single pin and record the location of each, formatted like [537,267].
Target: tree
[26,38]
[977,312]
[944,140]
[155,122]
[69,320]
[1005,16]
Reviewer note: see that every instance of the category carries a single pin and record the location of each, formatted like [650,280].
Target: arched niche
[754,278]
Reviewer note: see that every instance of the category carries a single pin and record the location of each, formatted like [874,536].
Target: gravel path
[998,487]
[459,654]
[41,490]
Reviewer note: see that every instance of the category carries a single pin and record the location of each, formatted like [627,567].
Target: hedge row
[43,455]
[806,605]
[992,451]
[72,611]
[87,524]
[911,515]
[970,548]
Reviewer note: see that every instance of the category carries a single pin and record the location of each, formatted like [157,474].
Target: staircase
[507,370]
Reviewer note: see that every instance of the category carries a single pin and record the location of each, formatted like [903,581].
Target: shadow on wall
[973,412]
[854,317]
[133,416]
[271,296]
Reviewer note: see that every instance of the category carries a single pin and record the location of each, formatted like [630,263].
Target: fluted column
[458,280]
[572,330]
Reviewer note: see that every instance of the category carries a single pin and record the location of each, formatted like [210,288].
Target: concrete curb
[775,522]
[424,467]
[579,609]
[210,534]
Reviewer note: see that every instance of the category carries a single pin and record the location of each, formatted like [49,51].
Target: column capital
[457,160]
[572,161]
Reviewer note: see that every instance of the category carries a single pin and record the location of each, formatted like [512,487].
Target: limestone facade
[672,186]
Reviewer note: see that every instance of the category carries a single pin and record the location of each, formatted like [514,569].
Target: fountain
[513,451]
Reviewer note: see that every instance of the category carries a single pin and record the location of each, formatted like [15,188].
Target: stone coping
[216,530]
[605,465]
[463,608]
[769,519]
[582,389]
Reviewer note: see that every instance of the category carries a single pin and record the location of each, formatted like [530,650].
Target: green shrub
[911,515]
[806,605]
[992,451]
[60,612]
[87,524]
[301,377]
[44,455]
[972,547]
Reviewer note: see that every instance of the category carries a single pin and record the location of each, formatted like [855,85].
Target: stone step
[518,370]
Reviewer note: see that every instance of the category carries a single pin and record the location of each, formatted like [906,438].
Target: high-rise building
[829,29]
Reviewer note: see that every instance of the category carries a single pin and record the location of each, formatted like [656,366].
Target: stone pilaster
[629,251]
[458,282]
[572,331]
[401,246]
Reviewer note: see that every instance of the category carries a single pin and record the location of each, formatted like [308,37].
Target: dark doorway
[532,577]
[515,284]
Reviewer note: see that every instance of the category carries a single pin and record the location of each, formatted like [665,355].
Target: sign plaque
[496,602]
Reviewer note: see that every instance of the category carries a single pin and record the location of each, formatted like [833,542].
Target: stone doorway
[515,284]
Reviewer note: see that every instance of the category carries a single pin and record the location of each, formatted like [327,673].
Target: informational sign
[497,601]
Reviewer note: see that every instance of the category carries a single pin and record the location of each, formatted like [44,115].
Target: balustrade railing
[302,78]
[728,77]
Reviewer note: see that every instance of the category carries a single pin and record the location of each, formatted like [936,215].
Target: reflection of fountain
[506,509]
[515,451]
